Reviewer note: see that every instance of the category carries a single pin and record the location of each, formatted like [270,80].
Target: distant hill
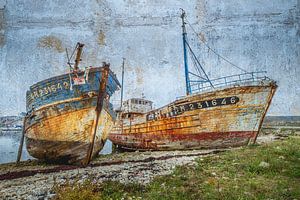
[17,121]
[11,121]
[282,121]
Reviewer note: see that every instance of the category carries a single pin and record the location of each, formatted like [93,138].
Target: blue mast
[186,68]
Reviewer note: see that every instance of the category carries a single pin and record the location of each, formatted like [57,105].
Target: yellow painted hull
[222,118]
[65,136]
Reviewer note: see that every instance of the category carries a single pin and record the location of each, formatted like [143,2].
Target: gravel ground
[126,167]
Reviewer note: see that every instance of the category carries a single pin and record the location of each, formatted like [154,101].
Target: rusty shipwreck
[215,113]
[69,116]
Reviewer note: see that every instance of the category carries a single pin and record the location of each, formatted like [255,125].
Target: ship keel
[66,152]
[184,141]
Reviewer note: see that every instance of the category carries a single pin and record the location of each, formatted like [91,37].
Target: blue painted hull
[60,88]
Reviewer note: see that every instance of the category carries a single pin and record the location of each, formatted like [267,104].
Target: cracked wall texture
[254,34]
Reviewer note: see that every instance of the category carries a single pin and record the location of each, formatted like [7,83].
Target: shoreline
[35,180]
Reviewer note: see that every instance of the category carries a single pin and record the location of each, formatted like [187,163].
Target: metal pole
[21,143]
[187,80]
[122,86]
[100,101]
[78,59]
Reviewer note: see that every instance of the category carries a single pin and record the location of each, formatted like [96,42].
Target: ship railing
[201,85]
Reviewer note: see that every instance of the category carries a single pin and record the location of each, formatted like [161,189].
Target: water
[9,145]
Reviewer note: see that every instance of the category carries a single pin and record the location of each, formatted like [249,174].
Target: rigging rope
[74,51]
[199,64]
[213,49]
[194,61]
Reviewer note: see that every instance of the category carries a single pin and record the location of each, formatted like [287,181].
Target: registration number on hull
[179,109]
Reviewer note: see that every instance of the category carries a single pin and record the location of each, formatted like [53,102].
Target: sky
[256,35]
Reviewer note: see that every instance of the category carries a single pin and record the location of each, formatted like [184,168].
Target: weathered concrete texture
[256,35]
[2,24]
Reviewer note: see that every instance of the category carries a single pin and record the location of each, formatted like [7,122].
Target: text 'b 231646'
[177,110]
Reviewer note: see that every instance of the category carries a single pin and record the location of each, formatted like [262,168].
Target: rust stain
[51,42]
[67,135]
[232,124]
[202,36]
[101,38]
[183,141]
[139,75]
[59,123]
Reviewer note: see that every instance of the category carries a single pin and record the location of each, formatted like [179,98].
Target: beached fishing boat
[69,116]
[218,113]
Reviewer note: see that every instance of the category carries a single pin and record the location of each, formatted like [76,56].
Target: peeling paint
[101,38]
[222,118]
[60,122]
[51,42]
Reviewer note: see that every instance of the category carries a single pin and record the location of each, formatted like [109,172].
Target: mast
[123,64]
[78,55]
[186,68]
[100,103]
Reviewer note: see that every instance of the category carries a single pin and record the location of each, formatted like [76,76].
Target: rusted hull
[64,123]
[67,137]
[227,117]
[66,152]
[183,141]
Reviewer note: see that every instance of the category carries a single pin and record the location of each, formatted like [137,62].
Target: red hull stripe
[141,137]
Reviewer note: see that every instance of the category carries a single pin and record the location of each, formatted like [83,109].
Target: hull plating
[223,118]
[66,137]
[61,118]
